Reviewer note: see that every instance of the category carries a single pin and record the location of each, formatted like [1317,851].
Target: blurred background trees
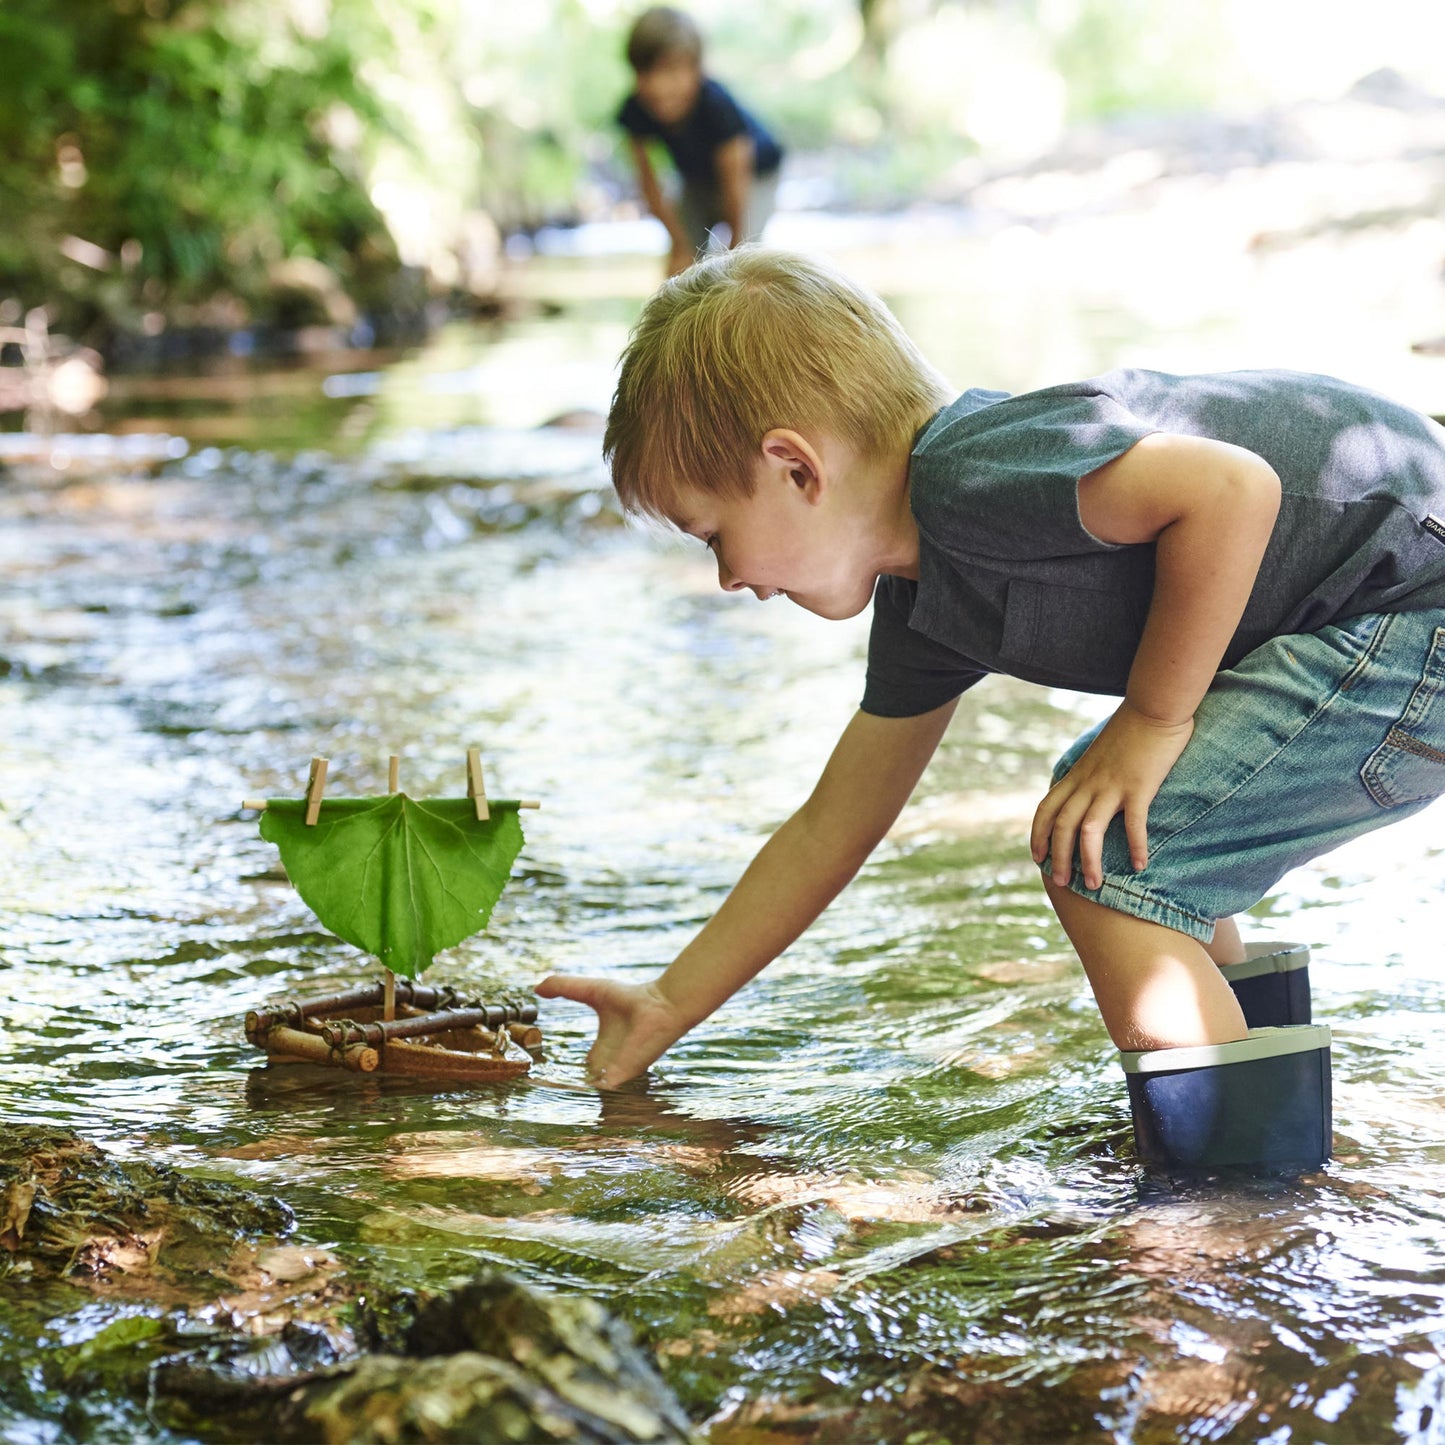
[168,155]
[225,162]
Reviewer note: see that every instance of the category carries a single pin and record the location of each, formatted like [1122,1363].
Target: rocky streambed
[219,1320]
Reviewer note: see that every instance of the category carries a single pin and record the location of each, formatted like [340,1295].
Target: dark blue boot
[1272,984]
[1262,1102]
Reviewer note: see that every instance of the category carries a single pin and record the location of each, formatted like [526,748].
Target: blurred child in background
[728,163]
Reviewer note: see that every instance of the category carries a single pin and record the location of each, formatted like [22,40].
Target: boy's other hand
[1121,771]
[636,1023]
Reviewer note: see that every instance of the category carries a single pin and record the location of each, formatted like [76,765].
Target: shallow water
[887,1193]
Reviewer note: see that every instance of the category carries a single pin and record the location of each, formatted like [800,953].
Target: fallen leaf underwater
[399,878]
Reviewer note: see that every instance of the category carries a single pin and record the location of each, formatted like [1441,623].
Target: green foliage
[542,86]
[120,1337]
[192,141]
[1123,56]
[399,878]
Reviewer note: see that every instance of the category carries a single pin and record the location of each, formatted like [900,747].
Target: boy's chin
[834,609]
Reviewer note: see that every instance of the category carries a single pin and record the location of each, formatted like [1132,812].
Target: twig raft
[436,1034]
[400,878]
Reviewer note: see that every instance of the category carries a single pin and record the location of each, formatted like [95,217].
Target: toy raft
[401,878]
[434,1033]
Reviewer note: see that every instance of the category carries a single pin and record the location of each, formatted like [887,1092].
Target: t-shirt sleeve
[718,118]
[634,119]
[909,673]
[1003,481]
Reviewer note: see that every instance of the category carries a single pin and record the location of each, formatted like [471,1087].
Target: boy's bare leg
[1228,946]
[1156,988]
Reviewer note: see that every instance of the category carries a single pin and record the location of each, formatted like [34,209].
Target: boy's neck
[892,522]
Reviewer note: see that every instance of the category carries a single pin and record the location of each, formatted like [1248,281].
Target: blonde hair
[748,341]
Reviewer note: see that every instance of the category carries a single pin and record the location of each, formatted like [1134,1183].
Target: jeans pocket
[1409,766]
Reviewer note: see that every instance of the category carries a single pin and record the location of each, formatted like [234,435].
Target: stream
[888,1192]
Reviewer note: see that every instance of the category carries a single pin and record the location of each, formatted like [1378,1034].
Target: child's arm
[735,183]
[1209,508]
[798,872]
[681,257]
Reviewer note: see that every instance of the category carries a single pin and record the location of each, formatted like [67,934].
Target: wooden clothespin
[476,789]
[315,787]
[393,774]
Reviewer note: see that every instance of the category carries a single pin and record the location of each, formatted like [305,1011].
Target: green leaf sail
[399,878]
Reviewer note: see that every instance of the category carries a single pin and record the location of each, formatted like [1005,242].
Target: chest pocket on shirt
[1072,636]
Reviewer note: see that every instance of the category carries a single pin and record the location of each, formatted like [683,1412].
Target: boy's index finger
[1136,831]
[1043,824]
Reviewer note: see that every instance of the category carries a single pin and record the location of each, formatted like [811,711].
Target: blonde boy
[1253,562]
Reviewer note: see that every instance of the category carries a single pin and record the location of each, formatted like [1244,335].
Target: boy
[727,161]
[1254,562]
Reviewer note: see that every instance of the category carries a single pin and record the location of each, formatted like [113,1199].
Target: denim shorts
[1311,740]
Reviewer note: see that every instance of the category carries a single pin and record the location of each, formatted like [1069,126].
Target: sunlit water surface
[887,1192]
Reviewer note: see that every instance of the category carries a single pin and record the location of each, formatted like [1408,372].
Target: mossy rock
[491,1359]
[69,1209]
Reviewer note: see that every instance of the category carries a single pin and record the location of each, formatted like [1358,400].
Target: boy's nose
[726,580]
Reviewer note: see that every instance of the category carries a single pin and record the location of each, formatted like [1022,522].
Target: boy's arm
[798,872]
[735,183]
[1209,508]
[660,206]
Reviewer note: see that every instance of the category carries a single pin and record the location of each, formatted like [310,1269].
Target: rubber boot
[1272,984]
[1262,1102]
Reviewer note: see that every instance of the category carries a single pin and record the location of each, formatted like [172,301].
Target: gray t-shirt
[1011,581]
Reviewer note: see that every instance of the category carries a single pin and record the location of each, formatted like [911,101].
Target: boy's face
[668,89]
[794,537]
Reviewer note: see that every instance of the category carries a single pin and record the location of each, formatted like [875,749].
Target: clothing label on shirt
[1434,526]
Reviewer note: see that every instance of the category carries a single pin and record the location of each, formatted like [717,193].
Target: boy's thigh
[762,201]
[1313,739]
[700,208]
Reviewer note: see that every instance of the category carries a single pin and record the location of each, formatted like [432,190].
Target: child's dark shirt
[714,119]
[1011,581]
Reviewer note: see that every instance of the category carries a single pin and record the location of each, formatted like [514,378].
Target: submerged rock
[388,1400]
[570,1344]
[488,1360]
[70,1209]
[285,1342]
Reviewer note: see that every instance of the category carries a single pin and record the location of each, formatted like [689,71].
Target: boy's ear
[790,456]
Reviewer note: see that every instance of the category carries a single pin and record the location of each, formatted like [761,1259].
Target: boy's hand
[1122,769]
[636,1023]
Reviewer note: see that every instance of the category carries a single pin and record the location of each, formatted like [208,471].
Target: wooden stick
[347,1032]
[258,805]
[393,774]
[315,787]
[417,1060]
[388,996]
[297,1044]
[417,995]
[476,789]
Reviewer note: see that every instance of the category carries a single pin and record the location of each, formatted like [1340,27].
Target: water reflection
[889,1187]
